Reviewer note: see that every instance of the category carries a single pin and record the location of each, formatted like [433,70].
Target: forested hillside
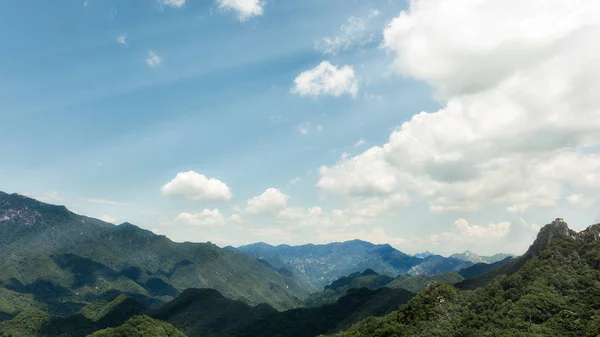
[554,291]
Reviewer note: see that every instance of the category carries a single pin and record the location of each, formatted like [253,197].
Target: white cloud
[326,79]
[521,115]
[306,128]
[153,60]
[174,3]
[108,218]
[462,231]
[354,33]
[271,201]
[106,202]
[360,143]
[122,39]
[206,218]
[294,181]
[194,186]
[235,218]
[580,200]
[532,227]
[245,8]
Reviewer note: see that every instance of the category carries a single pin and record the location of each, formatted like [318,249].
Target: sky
[438,125]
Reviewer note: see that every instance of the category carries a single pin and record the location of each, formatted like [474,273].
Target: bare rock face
[558,228]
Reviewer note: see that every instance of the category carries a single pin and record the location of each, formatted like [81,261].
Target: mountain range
[60,261]
[315,266]
[69,275]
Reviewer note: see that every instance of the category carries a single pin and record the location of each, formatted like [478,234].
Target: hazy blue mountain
[315,266]
[437,264]
[472,257]
[423,255]
[62,261]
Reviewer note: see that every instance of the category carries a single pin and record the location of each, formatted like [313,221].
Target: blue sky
[103,103]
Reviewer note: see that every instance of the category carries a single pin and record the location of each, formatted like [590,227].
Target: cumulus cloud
[464,231]
[326,79]
[196,187]
[174,3]
[153,60]
[521,115]
[354,33]
[270,201]
[206,218]
[244,8]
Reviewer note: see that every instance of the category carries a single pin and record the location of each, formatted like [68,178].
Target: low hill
[367,279]
[140,326]
[482,268]
[416,283]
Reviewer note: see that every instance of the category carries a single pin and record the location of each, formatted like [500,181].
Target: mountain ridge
[82,257]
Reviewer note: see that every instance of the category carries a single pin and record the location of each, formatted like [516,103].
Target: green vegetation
[338,288]
[28,323]
[63,261]
[416,283]
[140,326]
[482,268]
[555,292]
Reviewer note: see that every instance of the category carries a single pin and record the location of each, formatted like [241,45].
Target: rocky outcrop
[558,228]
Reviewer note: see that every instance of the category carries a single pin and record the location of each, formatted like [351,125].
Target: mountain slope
[367,279]
[436,264]
[557,228]
[66,260]
[140,326]
[482,268]
[555,292]
[416,283]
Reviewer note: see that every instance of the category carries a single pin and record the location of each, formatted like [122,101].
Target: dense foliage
[482,268]
[338,288]
[140,326]
[555,293]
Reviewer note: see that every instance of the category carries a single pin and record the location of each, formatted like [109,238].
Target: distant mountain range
[472,257]
[314,266]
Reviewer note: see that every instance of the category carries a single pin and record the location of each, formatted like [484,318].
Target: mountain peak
[557,228]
